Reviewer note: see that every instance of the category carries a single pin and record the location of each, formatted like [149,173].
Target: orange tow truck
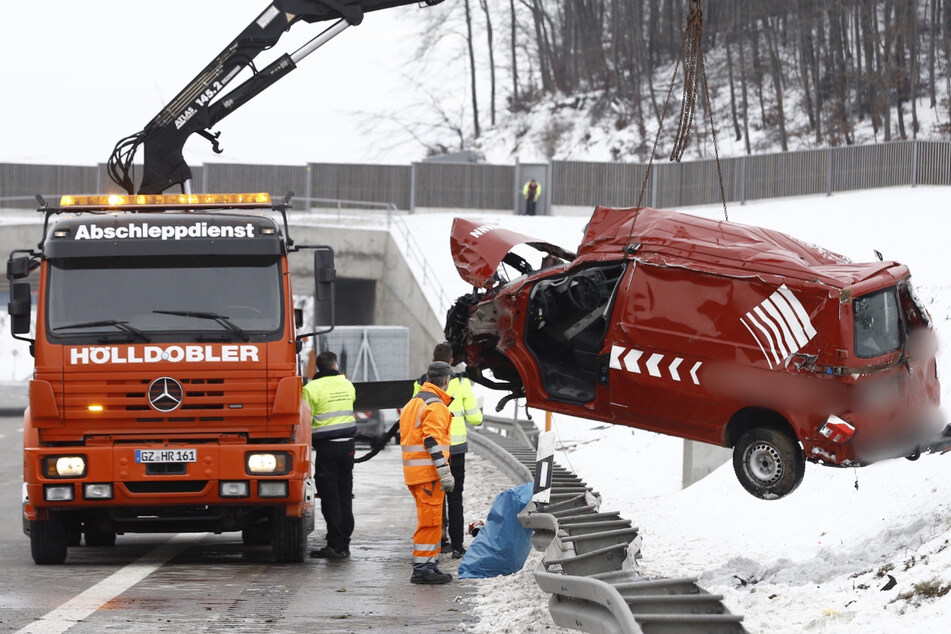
[167,392]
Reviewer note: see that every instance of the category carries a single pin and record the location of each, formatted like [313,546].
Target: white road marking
[87,602]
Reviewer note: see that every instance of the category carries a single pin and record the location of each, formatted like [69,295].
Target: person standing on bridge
[424,440]
[330,396]
[532,191]
[465,410]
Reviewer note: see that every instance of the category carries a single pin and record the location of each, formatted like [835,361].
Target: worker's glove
[445,478]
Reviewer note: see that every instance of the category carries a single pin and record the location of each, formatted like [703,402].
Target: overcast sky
[79,75]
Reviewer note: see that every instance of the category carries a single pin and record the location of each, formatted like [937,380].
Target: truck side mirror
[20,307]
[299,317]
[18,267]
[325,276]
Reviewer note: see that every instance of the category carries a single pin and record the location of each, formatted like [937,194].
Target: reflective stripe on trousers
[429,498]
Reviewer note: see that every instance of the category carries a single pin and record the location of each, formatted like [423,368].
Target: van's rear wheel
[48,540]
[288,537]
[768,463]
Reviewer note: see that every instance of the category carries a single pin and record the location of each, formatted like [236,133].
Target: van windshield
[878,328]
[148,297]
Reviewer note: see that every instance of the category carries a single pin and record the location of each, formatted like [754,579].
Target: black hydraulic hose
[380,444]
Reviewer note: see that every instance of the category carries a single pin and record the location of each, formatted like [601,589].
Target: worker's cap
[438,369]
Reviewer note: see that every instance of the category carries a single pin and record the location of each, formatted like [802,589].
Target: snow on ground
[816,560]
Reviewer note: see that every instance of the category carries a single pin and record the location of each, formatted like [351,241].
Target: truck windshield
[878,327]
[88,295]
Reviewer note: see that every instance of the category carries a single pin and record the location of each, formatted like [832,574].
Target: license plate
[166,455]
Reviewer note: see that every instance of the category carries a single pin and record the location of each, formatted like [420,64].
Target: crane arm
[202,103]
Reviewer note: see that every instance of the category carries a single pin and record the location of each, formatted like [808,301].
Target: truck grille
[204,399]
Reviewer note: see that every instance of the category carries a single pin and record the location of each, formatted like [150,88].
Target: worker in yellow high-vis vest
[333,427]
[465,411]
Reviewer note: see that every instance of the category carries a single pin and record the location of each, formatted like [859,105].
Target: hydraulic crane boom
[201,104]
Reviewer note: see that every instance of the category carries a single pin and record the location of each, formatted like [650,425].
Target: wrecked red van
[711,331]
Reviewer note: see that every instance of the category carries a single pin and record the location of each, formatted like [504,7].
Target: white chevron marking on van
[693,372]
[652,364]
[628,359]
[781,325]
[673,368]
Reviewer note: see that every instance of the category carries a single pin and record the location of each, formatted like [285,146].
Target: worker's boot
[429,574]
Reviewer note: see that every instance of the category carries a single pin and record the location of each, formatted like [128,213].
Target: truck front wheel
[288,537]
[769,463]
[48,540]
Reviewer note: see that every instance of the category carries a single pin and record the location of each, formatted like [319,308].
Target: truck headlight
[272,488]
[58,492]
[269,463]
[64,466]
[234,489]
[97,491]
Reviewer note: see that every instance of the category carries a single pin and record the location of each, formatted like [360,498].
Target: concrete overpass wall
[373,255]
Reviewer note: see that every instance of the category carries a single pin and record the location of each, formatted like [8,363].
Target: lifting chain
[691,56]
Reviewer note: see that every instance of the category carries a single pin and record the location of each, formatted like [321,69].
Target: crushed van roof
[678,239]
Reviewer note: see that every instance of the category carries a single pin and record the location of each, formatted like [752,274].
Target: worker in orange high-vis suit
[424,440]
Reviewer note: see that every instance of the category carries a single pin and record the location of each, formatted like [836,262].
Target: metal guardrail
[589,564]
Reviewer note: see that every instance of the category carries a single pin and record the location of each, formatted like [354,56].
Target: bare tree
[491,47]
[472,72]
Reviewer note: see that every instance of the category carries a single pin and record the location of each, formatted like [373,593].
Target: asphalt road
[213,583]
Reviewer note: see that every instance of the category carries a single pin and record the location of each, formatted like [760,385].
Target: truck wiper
[121,325]
[221,319]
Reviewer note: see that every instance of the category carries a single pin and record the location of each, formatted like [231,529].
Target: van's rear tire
[48,540]
[769,463]
[288,537]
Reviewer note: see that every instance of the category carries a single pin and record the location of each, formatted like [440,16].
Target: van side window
[567,321]
[878,328]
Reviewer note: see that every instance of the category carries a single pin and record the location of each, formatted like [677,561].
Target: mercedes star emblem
[165,394]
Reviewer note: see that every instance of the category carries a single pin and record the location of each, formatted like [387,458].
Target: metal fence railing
[573,183]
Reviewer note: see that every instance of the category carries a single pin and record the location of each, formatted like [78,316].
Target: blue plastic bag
[502,546]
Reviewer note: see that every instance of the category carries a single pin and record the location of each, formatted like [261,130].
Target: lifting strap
[691,55]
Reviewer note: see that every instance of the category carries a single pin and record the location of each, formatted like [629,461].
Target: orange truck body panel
[98,400]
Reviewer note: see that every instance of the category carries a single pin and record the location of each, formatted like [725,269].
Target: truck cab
[166,395]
